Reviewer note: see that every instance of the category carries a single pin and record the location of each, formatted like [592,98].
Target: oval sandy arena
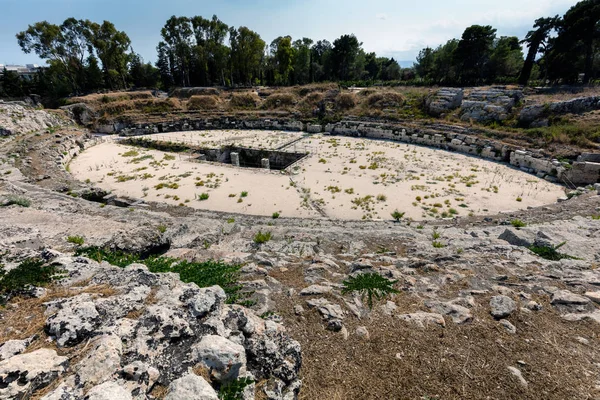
[342,178]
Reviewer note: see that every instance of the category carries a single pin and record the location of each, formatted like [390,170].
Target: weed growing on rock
[517,223]
[30,273]
[19,201]
[550,252]
[275,215]
[77,240]
[234,390]
[371,286]
[262,237]
[203,274]
[162,228]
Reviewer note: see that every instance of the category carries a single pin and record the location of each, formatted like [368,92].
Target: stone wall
[538,115]
[444,136]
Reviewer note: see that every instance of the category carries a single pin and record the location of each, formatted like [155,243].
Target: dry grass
[246,100]
[385,99]
[184,93]
[346,101]
[203,103]
[457,362]
[280,100]
[99,98]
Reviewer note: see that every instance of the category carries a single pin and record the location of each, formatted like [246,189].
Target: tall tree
[247,52]
[302,61]
[473,52]
[344,56]
[111,46]
[535,39]
[177,43]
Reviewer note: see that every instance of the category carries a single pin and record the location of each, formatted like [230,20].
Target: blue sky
[394,28]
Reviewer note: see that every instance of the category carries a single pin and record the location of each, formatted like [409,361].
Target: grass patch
[17,200]
[32,272]
[203,274]
[551,252]
[78,240]
[517,223]
[203,196]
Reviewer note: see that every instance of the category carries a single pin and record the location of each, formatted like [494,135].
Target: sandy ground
[343,178]
[256,139]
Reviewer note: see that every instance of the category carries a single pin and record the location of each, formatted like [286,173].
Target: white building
[25,71]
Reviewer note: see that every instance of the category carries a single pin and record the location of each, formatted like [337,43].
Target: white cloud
[382,16]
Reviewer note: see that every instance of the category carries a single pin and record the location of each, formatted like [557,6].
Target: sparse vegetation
[17,200]
[31,272]
[371,286]
[397,215]
[262,237]
[77,240]
[551,252]
[517,223]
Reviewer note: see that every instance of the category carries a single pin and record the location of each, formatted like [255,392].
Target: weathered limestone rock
[77,317]
[327,309]
[458,313]
[12,348]
[191,387]
[25,373]
[315,289]
[108,391]
[502,306]
[225,359]
[207,300]
[489,105]
[443,101]
[516,237]
[16,119]
[423,319]
[537,115]
[568,298]
[82,113]
[101,362]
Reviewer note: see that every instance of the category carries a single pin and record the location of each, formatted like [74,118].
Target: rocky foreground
[478,313]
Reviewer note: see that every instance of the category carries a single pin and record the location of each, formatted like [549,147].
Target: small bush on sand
[371,286]
[280,100]
[397,215]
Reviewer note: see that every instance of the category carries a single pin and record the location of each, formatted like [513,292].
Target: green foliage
[17,200]
[438,245]
[517,223]
[204,274]
[371,286]
[203,196]
[397,215]
[162,228]
[78,240]
[30,272]
[262,237]
[551,252]
[244,194]
[275,215]
[435,235]
[234,390]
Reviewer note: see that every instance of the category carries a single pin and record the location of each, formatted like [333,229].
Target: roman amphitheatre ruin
[203,242]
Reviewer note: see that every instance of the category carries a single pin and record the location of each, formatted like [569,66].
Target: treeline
[200,52]
[83,56]
[560,50]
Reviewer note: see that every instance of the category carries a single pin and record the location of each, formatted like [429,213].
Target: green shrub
[435,235]
[550,252]
[275,215]
[397,215]
[203,274]
[262,237]
[438,245]
[162,228]
[244,194]
[17,200]
[517,223]
[234,390]
[30,272]
[203,196]
[371,285]
[78,240]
